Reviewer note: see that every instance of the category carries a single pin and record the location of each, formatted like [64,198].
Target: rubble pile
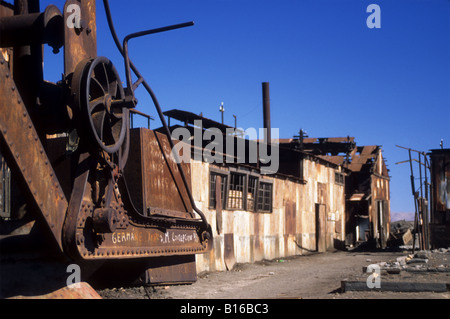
[436,260]
[422,272]
[401,233]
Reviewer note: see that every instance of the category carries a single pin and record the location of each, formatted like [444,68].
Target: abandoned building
[366,178]
[258,216]
[326,193]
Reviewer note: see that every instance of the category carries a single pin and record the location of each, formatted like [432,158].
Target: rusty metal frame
[27,157]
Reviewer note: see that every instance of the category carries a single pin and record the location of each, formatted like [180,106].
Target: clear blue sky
[329,73]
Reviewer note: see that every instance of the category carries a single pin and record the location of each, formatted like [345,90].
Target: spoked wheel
[100,98]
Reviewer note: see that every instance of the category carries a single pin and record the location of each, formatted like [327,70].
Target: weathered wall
[380,193]
[290,229]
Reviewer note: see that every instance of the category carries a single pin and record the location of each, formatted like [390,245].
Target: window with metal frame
[251,192]
[339,178]
[212,189]
[264,201]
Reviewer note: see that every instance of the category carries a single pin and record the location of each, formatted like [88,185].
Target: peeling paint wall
[379,207]
[290,229]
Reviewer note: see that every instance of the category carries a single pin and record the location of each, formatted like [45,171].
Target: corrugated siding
[290,229]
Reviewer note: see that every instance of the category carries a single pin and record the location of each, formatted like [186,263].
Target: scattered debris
[424,271]
[422,262]
[401,233]
[423,254]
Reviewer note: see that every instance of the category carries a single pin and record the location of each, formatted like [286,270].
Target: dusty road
[316,276]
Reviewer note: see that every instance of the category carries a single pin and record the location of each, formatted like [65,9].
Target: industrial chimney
[266,112]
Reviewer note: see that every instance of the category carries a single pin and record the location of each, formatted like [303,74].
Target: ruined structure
[298,209]
[366,178]
[325,193]
[368,197]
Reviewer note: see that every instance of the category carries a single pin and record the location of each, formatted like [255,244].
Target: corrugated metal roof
[189,117]
[338,160]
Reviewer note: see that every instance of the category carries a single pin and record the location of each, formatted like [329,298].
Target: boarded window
[264,202]
[236,191]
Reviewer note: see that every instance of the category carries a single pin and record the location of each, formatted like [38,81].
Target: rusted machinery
[102,194]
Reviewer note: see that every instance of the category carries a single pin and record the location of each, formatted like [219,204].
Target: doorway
[321,228]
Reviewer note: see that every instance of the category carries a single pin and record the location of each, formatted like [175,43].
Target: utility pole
[301,136]
[222,110]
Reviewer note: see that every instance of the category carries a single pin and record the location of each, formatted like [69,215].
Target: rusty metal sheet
[368,149]
[6,9]
[258,241]
[156,181]
[338,160]
[322,196]
[169,270]
[340,139]
[136,236]
[218,192]
[152,241]
[79,43]
[161,232]
[228,254]
[290,215]
[138,241]
[321,228]
[27,155]
[189,117]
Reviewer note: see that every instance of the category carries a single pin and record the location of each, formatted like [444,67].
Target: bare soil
[314,276]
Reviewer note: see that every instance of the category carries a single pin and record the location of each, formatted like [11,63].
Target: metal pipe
[140,34]
[266,112]
[420,175]
[27,60]
[33,28]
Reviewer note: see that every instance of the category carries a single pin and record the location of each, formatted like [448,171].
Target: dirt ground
[315,276]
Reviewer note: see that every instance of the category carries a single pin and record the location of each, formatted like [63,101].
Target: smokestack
[266,111]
